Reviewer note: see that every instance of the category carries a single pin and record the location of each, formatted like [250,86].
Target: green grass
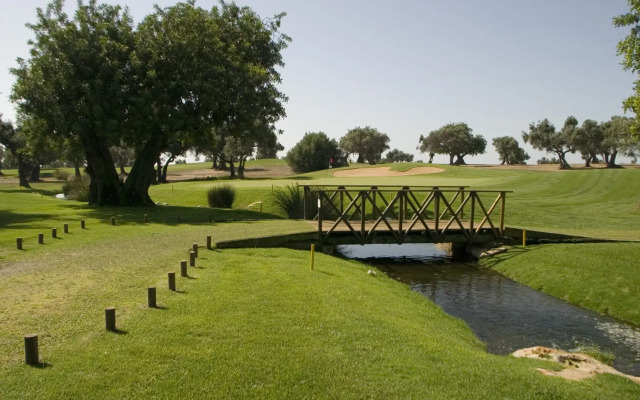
[259,324]
[603,277]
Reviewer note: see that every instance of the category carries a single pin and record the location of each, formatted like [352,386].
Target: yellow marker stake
[313,251]
[524,238]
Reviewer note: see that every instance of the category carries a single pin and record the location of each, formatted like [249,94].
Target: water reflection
[504,314]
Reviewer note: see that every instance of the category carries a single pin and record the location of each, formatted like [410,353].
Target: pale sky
[408,67]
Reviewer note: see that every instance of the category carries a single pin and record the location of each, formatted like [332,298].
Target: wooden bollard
[151,297]
[183,268]
[40,238]
[110,318]
[19,243]
[208,242]
[113,220]
[66,228]
[179,218]
[82,224]
[31,356]
[194,247]
[172,281]
[192,259]
[54,233]
[146,218]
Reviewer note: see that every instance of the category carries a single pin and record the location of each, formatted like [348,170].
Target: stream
[504,314]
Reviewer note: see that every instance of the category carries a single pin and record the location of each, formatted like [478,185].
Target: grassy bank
[260,324]
[603,277]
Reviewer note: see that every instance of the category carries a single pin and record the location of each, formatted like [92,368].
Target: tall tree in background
[397,156]
[454,139]
[367,142]
[588,140]
[15,143]
[509,151]
[543,136]
[314,153]
[618,139]
[629,49]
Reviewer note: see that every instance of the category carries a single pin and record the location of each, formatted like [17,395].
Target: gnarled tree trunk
[142,175]
[105,185]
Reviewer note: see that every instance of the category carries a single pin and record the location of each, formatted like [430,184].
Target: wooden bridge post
[305,202]
[401,206]
[320,216]
[373,199]
[503,195]
[436,195]
[462,201]
[363,216]
[473,213]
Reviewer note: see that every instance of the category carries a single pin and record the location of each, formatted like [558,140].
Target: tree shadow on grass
[42,365]
[9,218]
[170,215]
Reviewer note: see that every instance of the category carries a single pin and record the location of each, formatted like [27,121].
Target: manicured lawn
[255,323]
[261,324]
[604,277]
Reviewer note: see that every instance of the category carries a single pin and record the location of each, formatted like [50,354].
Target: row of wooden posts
[54,231]
[31,348]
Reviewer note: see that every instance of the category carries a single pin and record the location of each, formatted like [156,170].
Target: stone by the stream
[577,366]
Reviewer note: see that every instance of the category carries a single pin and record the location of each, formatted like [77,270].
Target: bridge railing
[400,211]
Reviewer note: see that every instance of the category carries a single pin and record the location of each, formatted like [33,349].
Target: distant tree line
[107,94]
[596,142]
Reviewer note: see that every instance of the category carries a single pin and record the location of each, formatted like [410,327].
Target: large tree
[509,151]
[367,142]
[588,140]
[315,152]
[77,84]
[543,136]
[454,139]
[618,139]
[184,72]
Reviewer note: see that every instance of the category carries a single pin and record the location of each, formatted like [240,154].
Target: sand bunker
[384,171]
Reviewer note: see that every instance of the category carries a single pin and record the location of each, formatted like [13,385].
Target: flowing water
[504,314]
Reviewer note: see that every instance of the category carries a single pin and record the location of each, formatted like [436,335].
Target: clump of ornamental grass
[290,200]
[221,196]
[77,189]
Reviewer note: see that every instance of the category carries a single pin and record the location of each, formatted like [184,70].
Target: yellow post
[313,251]
[524,238]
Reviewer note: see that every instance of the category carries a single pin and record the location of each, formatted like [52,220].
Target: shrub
[77,189]
[315,152]
[221,196]
[61,175]
[290,200]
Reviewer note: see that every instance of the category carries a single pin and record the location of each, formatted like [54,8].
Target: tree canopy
[588,140]
[315,152]
[184,74]
[543,136]
[629,49]
[367,142]
[454,139]
[509,151]
[618,139]
[398,156]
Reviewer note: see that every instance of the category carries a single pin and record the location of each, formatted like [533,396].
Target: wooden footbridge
[403,214]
